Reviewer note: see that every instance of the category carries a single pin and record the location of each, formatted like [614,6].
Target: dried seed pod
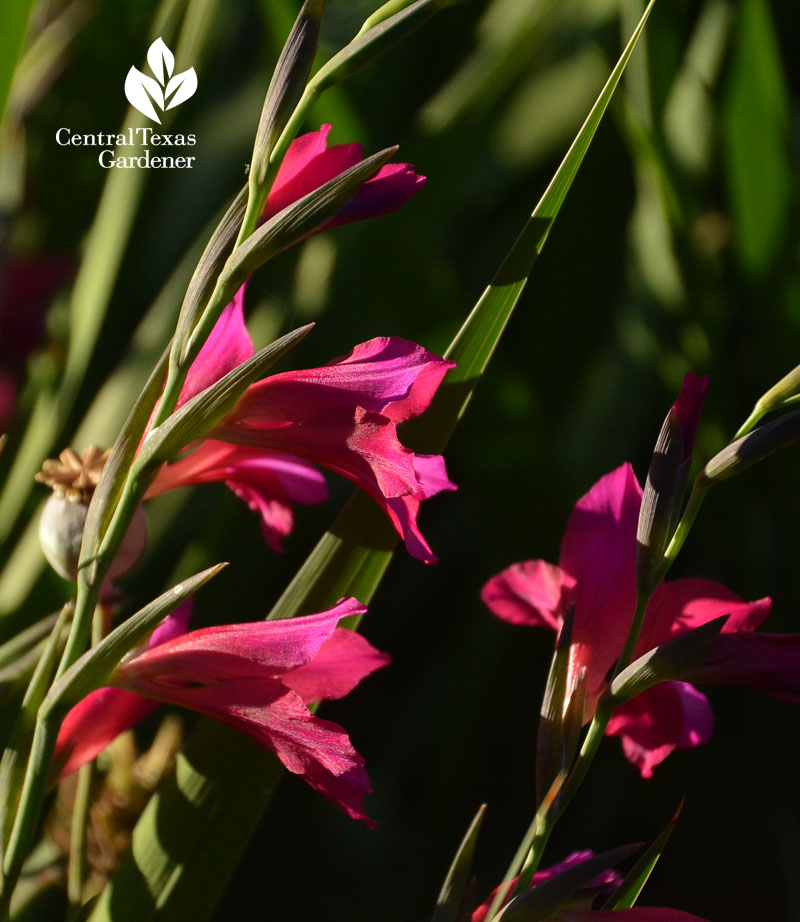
[61,532]
[73,478]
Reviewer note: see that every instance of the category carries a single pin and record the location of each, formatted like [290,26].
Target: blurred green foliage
[677,248]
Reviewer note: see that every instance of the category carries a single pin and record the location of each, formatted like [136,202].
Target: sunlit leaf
[451,897]
[628,891]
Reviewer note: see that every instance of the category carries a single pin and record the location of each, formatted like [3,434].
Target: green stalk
[11,771]
[76,871]
[45,734]
[626,657]
[681,533]
[92,573]
[30,803]
[530,848]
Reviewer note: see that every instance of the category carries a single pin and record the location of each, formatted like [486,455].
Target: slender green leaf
[625,896]
[12,765]
[208,809]
[21,643]
[550,743]
[13,24]
[756,125]
[454,888]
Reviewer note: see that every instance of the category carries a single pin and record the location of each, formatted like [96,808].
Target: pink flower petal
[768,663]
[599,551]
[533,593]
[684,604]
[300,153]
[342,416]
[687,409]
[403,510]
[234,651]
[103,714]
[267,481]
[317,750]
[8,397]
[173,625]
[340,664]
[227,346]
[313,174]
[391,187]
[309,164]
[386,375]
[668,716]
[95,722]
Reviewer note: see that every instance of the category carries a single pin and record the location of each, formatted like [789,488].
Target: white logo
[142,91]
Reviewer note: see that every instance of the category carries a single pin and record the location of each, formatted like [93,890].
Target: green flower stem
[591,744]
[91,573]
[756,415]
[534,858]
[179,366]
[30,803]
[90,580]
[626,657]
[530,848]
[698,494]
[76,871]
[11,766]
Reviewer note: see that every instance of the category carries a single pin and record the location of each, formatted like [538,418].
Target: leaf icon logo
[164,89]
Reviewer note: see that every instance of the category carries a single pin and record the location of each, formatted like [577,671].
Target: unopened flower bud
[666,479]
[753,447]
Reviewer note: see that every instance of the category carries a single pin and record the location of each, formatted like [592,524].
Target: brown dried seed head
[72,476]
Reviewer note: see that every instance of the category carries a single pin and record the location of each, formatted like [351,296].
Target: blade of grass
[625,896]
[13,25]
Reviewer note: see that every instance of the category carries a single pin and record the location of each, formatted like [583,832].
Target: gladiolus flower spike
[258,678]
[578,907]
[342,416]
[596,574]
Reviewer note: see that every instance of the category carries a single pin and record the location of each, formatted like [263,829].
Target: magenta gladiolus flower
[596,574]
[258,678]
[578,908]
[606,882]
[342,416]
[309,163]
